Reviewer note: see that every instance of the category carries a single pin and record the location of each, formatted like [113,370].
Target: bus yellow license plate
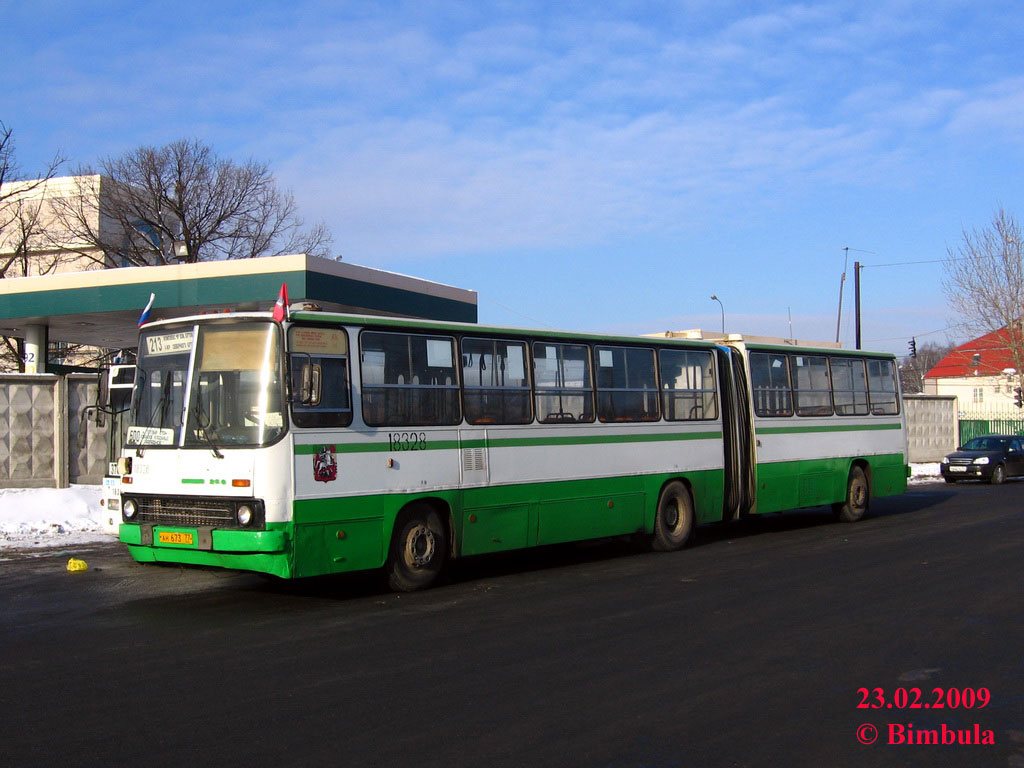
[174,537]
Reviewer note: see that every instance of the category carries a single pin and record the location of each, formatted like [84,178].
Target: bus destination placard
[169,343]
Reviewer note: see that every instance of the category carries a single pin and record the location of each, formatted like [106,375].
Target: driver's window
[318,361]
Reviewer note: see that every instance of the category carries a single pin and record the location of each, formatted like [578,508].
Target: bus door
[740,491]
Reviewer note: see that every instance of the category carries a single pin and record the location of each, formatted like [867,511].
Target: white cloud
[997,109]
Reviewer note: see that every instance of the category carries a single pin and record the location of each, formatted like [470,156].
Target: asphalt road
[746,649]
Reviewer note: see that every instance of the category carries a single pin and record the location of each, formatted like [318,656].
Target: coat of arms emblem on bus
[325,465]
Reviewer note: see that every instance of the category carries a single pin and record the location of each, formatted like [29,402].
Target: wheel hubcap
[858,496]
[672,518]
[420,546]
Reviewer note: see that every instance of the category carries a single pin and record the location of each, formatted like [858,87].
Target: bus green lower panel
[495,528]
[796,484]
[352,545]
[491,518]
[590,518]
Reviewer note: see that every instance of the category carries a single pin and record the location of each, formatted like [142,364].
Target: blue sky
[592,166]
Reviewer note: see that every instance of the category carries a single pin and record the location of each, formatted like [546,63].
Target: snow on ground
[924,473]
[50,517]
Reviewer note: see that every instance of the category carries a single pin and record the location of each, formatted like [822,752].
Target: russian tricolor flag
[144,317]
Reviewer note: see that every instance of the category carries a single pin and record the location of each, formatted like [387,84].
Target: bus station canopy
[102,307]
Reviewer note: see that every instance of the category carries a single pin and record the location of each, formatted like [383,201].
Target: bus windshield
[221,381]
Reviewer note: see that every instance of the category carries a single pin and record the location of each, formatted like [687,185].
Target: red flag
[281,305]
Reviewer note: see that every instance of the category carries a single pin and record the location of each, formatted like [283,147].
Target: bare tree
[133,209]
[21,230]
[984,283]
[913,369]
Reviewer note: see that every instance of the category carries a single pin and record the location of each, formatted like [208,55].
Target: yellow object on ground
[74,565]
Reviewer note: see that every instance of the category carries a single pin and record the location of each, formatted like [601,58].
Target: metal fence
[46,437]
[976,424]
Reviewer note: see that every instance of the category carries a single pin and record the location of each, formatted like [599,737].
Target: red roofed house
[982,374]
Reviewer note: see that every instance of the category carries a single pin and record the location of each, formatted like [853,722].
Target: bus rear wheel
[419,549]
[673,522]
[857,498]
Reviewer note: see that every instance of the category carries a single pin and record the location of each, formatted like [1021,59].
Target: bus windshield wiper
[201,417]
[159,408]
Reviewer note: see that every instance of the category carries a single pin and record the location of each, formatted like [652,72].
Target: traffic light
[1017,400]
[913,347]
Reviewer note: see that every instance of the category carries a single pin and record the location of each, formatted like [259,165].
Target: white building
[982,374]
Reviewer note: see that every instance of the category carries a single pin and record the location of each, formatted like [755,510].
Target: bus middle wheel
[674,520]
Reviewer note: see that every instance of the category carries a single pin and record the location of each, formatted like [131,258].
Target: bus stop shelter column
[35,348]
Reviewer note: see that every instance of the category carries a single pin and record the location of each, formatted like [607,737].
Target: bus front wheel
[419,549]
[673,522]
[855,505]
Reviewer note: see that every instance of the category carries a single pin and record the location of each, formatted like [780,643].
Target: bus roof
[300,312]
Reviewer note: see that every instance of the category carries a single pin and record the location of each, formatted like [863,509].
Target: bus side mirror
[116,387]
[103,397]
[312,384]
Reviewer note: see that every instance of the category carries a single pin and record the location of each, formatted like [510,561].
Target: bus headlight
[130,509]
[245,514]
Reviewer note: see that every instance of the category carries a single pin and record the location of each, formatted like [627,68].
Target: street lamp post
[722,306]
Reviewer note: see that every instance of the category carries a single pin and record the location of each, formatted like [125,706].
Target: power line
[907,263]
[934,261]
[514,312]
[916,335]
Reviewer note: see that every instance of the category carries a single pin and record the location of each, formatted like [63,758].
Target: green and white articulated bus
[329,443]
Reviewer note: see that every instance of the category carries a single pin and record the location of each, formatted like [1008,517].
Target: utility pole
[857,266]
[842,282]
[856,300]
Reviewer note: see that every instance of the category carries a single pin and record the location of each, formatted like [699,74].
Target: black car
[992,457]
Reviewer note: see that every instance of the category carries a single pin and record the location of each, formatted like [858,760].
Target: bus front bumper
[263,551]
[201,539]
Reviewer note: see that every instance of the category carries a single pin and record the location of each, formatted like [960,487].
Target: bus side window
[627,388]
[811,386]
[564,387]
[769,380]
[687,385]
[882,388]
[408,380]
[849,386]
[496,389]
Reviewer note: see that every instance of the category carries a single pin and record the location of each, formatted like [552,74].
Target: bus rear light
[241,483]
